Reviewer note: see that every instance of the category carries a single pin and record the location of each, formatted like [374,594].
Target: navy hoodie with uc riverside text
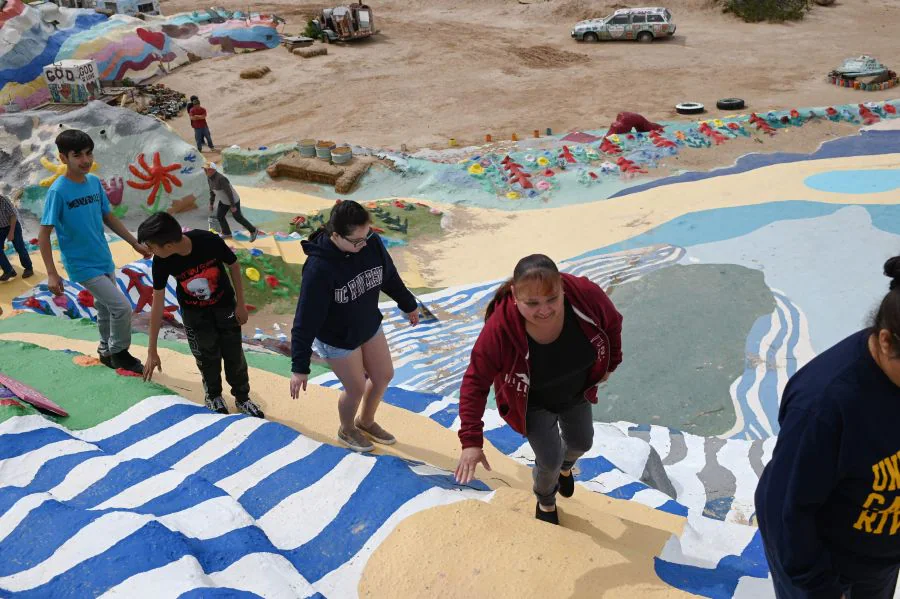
[338,302]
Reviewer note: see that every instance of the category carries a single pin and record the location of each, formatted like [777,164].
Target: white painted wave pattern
[168,499]
[433,356]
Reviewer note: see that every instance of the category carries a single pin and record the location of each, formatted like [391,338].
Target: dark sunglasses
[359,242]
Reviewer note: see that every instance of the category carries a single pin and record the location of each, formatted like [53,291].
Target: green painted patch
[86,330]
[90,395]
[280,292]
[684,332]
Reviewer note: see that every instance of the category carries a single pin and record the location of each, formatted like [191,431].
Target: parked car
[345,23]
[641,24]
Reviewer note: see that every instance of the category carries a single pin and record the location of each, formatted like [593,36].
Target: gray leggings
[113,313]
[557,440]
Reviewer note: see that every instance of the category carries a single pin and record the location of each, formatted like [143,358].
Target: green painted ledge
[86,330]
[90,395]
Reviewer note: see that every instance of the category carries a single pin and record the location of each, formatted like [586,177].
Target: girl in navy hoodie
[828,503]
[338,316]
[548,342]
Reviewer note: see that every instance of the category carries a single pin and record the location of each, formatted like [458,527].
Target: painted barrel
[307,148]
[323,149]
[341,155]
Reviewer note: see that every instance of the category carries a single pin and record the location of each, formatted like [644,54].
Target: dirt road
[497,66]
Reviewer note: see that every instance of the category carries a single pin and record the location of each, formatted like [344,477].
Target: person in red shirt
[198,121]
[549,340]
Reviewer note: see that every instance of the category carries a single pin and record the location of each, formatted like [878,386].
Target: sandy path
[498,67]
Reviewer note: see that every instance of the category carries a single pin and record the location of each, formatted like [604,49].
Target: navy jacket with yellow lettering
[828,503]
[338,301]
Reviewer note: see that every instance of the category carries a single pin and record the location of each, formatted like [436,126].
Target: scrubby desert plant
[774,11]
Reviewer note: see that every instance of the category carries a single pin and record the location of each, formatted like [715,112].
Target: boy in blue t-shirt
[77,207]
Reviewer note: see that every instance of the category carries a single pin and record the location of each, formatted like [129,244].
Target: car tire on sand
[689,108]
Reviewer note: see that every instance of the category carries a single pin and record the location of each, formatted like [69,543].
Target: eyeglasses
[359,242]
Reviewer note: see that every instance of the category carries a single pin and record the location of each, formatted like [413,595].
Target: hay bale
[310,52]
[255,73]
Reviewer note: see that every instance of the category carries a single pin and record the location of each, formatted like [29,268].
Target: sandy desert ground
[461,69]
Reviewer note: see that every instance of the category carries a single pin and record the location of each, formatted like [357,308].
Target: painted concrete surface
[793,257]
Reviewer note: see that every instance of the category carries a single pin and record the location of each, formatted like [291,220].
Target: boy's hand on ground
[468,463]
[297,381]
[150,363]
[142,249]
[413,317]
[241,314]
[55,284]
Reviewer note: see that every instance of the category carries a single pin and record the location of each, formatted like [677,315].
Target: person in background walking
[828,503]
[197,115]
[337,315]
[549,340]
[11,230]
[221,189]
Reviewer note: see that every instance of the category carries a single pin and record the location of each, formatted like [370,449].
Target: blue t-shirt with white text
[76,211]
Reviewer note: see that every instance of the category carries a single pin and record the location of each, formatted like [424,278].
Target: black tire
[690,108]
[645,37]
[730,104]
[590,37]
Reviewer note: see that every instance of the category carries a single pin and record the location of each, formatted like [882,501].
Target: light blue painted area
[855,181]
[829,265]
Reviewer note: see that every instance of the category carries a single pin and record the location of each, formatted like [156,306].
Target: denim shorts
[330,352]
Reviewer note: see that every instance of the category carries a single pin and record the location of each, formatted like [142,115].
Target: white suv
[641,24]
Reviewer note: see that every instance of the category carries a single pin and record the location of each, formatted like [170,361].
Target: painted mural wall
[143,164]
[122,47]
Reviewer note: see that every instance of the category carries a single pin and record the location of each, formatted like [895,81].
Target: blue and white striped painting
[168,499]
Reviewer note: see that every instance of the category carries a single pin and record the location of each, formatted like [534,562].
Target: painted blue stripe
[154,423]
[12,445]
[673,507]
[118,479]
[627,491]
[291,478]
[794,339]
[389,485]
[718,508]
[447,416]
[218,592]
[50,474]
[768,387]
[505,439]
[719,224]
[150,547]
[719,582]
[41,533]
[414,401]
[265,440]
[191,443]
[589,468]
[192,491]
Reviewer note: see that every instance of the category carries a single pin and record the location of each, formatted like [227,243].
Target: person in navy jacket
[549,340]
[346,269]
[828,503]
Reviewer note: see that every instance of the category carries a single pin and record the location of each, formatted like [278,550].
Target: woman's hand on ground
[468,463]
[297,381]
[413,317]
[150,363]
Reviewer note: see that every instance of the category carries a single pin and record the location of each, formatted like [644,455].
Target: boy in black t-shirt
[211,309]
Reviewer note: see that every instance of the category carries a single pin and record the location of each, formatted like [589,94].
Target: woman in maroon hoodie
[548,341]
